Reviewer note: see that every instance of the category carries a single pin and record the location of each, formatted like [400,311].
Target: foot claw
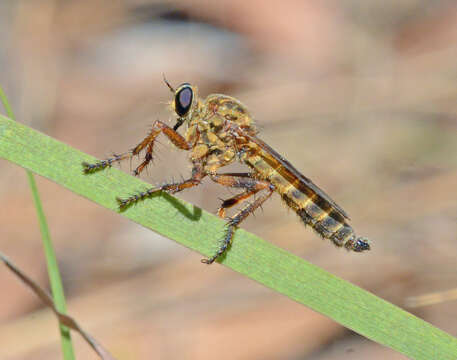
[122,203]
[208,261]
[91,168]
[87,168]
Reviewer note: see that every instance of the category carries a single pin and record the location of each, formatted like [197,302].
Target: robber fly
[220,131]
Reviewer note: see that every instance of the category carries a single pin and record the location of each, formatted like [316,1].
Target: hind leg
[233,223]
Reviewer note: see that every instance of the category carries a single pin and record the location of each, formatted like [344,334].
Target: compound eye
[183,100]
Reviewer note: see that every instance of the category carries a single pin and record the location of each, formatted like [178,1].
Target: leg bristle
[90,168]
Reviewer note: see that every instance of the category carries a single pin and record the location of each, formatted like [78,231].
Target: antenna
[168,84]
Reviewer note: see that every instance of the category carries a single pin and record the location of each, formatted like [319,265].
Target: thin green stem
[53,268]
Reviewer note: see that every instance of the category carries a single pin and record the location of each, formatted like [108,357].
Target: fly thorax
[212,141]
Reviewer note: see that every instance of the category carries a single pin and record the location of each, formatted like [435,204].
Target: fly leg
[146,161]
[171,188]
[228,203]
[238,180]
[233,223]
[102,164]
[148,143]
[252,186]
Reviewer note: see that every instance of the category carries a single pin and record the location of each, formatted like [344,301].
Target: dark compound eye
[183,100]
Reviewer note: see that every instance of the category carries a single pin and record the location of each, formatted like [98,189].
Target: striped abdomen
[313,206]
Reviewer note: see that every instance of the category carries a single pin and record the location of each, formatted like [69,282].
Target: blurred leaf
[433,298]
[63,319]
[277,269]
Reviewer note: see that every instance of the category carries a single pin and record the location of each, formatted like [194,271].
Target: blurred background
[360,96]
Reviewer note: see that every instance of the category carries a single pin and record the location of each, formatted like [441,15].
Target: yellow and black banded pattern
[311,204]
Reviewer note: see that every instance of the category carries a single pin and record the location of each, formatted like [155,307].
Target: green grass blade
[53,269]
[290,275]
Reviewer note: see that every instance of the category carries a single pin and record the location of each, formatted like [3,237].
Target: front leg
[148,143]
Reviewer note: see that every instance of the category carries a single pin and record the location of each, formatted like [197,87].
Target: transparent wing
[289,171]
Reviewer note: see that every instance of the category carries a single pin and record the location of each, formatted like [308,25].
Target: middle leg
[171,188]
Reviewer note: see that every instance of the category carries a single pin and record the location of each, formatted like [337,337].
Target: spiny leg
[171,188]
[148,142]
[234,221]
[228,203]
[238,180]
[147,159]
[246,174]
[102,164]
